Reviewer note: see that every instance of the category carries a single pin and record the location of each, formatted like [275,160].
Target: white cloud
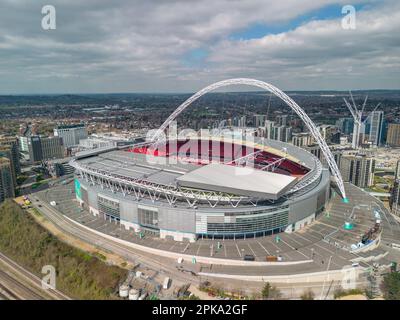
[140,45]
[323,51]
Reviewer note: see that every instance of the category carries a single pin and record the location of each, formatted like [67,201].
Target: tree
[270,292]
[391,286]
[266,291]
[307,295]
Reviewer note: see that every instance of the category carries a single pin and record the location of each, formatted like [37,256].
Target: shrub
[308,295]
[391,286]
[79,275]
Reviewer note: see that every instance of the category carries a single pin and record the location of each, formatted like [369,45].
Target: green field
[79,275]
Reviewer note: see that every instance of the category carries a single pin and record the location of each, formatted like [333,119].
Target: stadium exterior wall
[183,223]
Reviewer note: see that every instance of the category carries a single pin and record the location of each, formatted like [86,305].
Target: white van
[166,283]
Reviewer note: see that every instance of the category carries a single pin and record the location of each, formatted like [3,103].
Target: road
[16,283]
[169,266]
[161,264]
[165,266]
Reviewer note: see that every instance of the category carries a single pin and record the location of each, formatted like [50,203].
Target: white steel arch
[280,94]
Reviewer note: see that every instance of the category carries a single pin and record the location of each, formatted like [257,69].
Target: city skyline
[180,47]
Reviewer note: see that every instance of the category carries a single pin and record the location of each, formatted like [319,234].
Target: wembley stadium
[207,187]
[176,194]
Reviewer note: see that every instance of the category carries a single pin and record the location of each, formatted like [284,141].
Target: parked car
[249,257]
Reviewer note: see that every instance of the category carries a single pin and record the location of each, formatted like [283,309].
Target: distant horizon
[186,92]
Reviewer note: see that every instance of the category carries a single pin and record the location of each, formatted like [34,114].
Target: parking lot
[324,240]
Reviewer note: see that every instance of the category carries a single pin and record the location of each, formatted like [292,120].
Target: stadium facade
[220,187]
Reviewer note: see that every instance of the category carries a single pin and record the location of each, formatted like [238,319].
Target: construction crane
[357,116]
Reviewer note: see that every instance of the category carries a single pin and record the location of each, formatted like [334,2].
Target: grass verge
[79,275]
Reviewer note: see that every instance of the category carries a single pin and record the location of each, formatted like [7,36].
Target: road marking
[321,236]
[173,245]
[187,246]
[300,236]
[248,244]
[299,243]
[294,249]
[225,250]
[279,249]
[198,249]
[263,247]
[240,254]
[289,245]
[336,254]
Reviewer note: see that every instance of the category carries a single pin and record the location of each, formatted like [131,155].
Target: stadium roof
[238,180]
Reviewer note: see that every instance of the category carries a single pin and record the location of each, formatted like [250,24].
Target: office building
[345,125]
[376,128]
[277,132]
[35,149]
[6,180]
[259,120]
[283,133]
[330,134]
[23,144]
[314,149]
[397,170]
[269,129]
[282,120]
[393,135]
[52,148]
[243,122]
[357,169]
[302,139]
[394,201]
[9,149]
[71,134]
[45,148]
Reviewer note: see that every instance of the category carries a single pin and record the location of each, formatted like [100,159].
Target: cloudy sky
[183,45]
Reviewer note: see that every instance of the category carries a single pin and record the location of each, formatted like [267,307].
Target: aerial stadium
[225,186]
[228,188]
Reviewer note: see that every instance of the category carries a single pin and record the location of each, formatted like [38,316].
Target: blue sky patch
[260,30]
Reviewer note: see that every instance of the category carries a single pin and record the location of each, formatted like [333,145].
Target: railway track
[14,289]
[24,278]
[6,294]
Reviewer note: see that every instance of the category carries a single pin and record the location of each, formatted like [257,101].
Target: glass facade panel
[148,218]
[252,224]
[108,207]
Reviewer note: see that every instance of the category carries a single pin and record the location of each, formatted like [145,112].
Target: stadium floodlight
[280,94]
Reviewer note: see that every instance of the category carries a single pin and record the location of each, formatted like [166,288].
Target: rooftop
[244,181]
[71,126]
